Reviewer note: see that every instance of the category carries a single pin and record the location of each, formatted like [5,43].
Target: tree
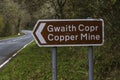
[58,6]
[1,25]
[15,17]
[9,11]
[32,7]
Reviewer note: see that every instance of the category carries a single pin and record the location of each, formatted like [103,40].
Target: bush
[1,25]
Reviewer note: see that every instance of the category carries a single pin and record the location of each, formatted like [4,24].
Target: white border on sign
[62,45]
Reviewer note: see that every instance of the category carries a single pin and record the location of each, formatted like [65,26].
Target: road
[10,46]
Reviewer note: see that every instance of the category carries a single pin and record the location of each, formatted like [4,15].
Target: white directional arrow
[38,33]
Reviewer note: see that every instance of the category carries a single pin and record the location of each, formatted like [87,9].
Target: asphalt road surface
[10,46]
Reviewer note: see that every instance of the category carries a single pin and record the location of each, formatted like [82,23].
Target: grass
[12,36]
[35,63]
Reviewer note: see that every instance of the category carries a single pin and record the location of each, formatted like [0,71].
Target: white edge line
[3,64]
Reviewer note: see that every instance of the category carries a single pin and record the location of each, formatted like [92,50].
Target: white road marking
[3,64]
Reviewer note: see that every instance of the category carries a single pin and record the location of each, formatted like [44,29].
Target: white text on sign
[72,28]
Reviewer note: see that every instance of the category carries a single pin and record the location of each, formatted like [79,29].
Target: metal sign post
[91,68]
[54,63]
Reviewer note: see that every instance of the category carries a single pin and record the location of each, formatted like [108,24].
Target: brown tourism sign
[69,32]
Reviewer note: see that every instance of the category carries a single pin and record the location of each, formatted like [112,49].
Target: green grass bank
[12,36]
[35,63]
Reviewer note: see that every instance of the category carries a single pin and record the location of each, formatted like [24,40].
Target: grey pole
[91,67]
[54,63]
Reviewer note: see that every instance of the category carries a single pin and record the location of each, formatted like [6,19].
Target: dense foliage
[18,14]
